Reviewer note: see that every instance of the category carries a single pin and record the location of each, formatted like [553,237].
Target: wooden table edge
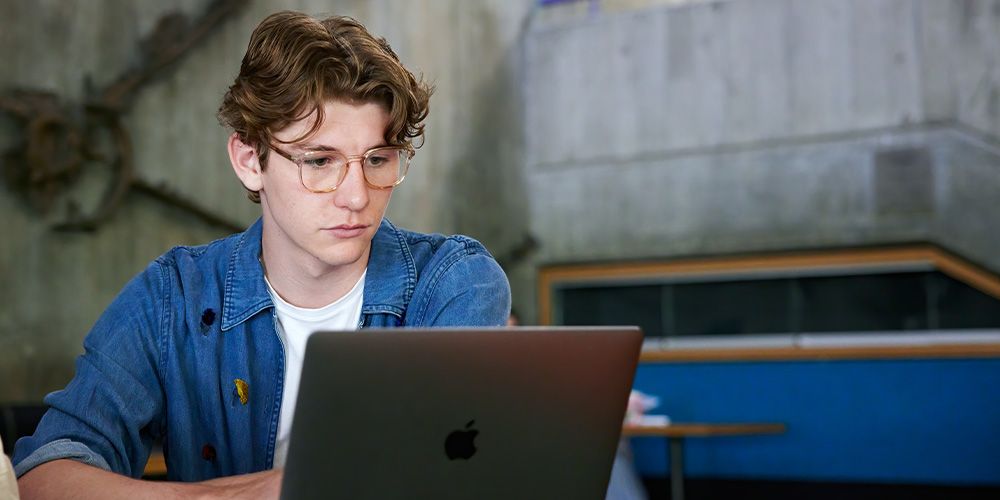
[703,429]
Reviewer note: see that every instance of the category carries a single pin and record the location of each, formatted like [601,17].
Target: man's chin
[342,259]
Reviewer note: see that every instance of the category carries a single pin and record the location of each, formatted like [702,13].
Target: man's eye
[317,162]
[378,161]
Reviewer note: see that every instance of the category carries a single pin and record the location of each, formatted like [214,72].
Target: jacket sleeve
[109,412]
[465,288]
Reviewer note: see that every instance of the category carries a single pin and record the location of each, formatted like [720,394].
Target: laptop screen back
[460,413]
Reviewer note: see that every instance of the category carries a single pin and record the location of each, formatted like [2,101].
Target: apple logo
[460,443]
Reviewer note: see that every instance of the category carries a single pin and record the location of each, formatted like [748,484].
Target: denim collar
[389,284]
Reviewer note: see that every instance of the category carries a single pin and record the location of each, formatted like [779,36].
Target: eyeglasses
[324,171]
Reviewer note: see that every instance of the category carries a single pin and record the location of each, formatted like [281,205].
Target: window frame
[896,258]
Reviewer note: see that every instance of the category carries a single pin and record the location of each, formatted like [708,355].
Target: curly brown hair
[294,63]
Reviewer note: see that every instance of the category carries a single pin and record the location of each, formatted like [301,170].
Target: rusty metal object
[57,138]
[51,155]
[172,38]
[166,195]
[118,188]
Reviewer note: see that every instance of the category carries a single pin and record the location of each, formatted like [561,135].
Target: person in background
[625,483]
[8,482]
[203,350]
[513,319]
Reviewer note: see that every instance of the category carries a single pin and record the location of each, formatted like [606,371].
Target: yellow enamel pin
[242,390]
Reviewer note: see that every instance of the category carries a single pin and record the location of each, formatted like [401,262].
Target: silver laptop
[460,413]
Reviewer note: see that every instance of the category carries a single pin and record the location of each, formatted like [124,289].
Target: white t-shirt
[295,325]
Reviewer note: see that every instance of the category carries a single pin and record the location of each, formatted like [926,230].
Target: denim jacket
[162,362]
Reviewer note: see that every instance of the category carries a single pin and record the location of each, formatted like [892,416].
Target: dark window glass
[624,305]
[900,301]
[960,306]
[736,307]
[864,303]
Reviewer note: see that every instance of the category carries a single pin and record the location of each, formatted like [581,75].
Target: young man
[203,350]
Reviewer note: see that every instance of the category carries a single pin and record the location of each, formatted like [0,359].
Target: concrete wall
[741,126]
[967,41]
[54,285]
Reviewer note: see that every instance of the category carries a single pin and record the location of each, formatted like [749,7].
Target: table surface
[700,429]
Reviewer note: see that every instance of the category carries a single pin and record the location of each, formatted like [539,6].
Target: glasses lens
[384,167]
[322,170]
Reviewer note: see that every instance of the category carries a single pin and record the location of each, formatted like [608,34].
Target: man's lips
[346,230]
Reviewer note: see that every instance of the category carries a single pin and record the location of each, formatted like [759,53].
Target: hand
[70,479]
[266,484]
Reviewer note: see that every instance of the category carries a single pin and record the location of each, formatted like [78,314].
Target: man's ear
[245,162]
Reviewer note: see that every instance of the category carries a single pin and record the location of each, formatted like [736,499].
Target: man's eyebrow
[316,147]
[324,147]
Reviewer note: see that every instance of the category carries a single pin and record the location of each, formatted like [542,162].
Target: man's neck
[306,281]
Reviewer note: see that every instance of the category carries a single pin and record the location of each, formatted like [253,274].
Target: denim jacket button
[207,318]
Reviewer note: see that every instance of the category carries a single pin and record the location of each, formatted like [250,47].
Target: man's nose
[352,193]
